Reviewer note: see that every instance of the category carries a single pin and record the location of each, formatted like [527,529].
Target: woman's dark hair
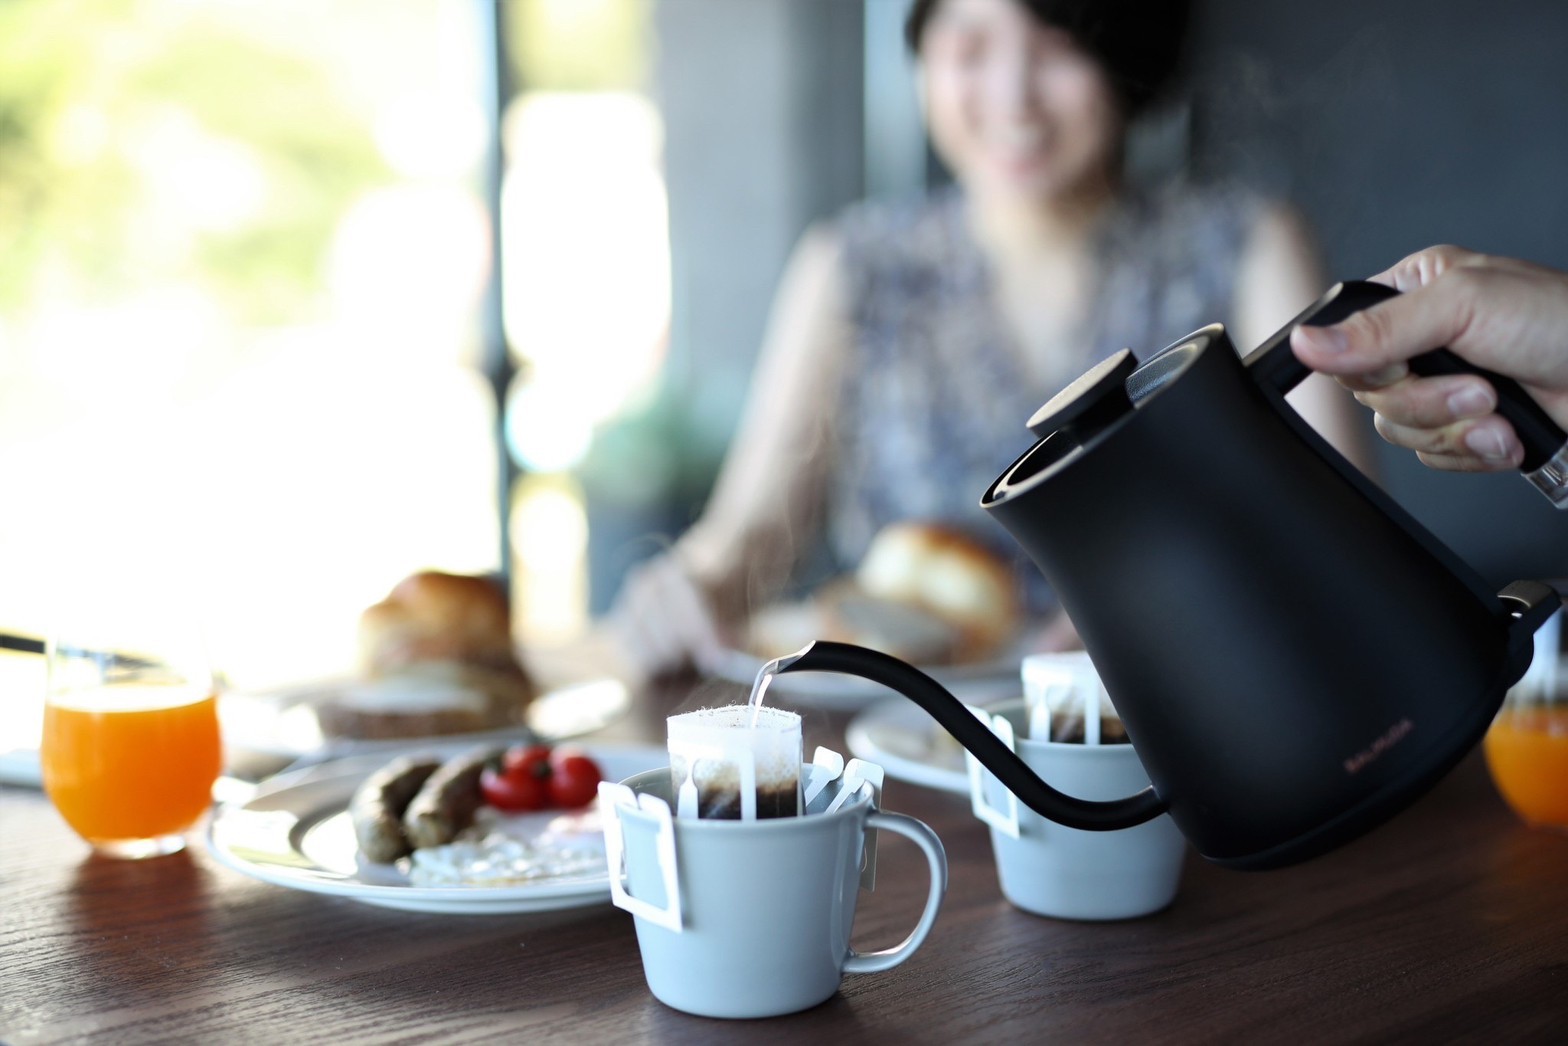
[1137,42]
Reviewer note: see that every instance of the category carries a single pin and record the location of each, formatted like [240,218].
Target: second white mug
[1049,869]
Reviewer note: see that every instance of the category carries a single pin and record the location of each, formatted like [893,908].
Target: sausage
[446,803]
[377,806]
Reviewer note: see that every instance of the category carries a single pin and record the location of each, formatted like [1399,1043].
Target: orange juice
[128,764]
[1527,752]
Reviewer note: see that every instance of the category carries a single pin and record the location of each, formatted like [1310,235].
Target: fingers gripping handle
[1545,444]
[1275,367]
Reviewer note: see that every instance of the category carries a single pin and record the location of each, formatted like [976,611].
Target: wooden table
[1451,923]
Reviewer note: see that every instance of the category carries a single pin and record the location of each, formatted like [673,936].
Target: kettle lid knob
[1093,400]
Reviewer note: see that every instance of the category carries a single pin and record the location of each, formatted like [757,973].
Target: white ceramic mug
[1068,873]
[751,918]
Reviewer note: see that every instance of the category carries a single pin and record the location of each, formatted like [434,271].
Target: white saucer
[900,736]
[283,721]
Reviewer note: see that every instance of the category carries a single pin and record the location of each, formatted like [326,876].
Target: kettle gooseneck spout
[957,720]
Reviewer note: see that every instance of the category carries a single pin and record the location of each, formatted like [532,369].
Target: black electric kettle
[1294,657]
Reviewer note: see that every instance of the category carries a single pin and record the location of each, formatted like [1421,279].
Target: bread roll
[430,616]
[435,657]
[909,632]
[942,571]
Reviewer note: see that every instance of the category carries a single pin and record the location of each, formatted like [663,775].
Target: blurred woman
[910,341]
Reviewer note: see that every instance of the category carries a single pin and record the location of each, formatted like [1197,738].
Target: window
[246,250]
[250,299]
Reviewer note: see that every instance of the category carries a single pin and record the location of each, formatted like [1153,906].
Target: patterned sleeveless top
[935,400]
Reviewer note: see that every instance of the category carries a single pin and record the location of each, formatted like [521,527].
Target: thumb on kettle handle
[950,713]
[1275,367]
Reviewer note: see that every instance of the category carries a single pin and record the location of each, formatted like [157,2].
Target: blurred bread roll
[904,630]
[840,611]
[431,616]
[946,573]
[435,657]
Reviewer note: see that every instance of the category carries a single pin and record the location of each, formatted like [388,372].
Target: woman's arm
[767,500]
[1279,274]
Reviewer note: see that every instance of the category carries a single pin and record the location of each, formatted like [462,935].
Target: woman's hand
[661,619]
[1508,316]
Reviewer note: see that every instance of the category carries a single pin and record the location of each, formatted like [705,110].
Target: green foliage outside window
[99,102]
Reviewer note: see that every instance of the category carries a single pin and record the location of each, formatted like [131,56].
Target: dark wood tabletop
[1448,924]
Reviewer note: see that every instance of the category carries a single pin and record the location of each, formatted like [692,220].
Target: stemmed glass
[131,746]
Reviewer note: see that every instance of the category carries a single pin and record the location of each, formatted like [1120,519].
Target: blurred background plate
[980,681]
[283,722]
[905,741]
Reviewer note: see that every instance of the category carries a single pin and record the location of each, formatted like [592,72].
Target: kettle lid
[1093,400]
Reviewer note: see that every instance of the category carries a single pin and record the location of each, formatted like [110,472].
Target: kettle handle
[1014,774]
[1274,366]
[1527,605]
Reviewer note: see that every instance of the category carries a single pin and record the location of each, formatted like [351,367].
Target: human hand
[661,619]
[1508,316]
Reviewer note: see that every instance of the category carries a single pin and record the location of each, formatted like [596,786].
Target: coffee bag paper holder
[1004,821]
[852,777]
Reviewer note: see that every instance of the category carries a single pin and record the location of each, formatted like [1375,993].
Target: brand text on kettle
[1389,739]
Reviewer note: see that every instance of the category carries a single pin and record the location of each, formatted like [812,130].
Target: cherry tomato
[505,792]
[574,778]
[533,777]
[533,760]
[522,782]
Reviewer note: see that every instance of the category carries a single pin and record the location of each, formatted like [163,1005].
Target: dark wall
[1394,126]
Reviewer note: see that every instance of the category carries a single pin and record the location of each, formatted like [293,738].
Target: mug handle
[923,837]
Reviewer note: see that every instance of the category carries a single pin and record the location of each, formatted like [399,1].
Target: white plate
[283,722]
[295,832]
[905,741]
[980,681]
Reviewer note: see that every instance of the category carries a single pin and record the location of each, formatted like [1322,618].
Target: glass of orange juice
[1527,745]
[131,746]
